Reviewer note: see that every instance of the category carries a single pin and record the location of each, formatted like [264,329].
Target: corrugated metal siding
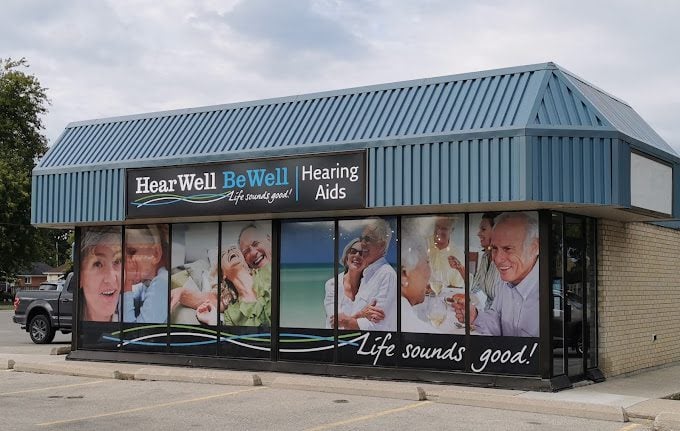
[438,107]
[567,169]
[78,197]
[476,170]
[620,115]
[560,106]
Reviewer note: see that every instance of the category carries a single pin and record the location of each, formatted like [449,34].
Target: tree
[23,101]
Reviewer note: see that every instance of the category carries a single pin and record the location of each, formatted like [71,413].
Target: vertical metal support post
[336,301]
[545,293]
[75,279]
[276,290]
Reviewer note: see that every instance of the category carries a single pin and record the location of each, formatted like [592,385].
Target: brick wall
[639,295]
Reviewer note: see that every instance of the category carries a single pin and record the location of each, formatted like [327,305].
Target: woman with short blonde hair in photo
[100,274]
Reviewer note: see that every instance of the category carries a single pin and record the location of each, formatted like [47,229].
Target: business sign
[327,182]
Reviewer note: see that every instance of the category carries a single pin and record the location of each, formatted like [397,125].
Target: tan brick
[638,294]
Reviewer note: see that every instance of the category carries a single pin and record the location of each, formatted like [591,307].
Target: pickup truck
[43,311]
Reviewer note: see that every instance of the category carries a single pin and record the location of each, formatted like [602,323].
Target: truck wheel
[41,330]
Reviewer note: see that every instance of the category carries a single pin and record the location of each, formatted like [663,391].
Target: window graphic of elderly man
[378,286]
[145,292]
[514,250]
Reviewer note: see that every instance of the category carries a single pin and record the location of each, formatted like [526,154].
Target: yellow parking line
[371,416]
[49,388]
[155,406]
[630,427]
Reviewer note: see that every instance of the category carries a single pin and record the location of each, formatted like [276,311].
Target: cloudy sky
[109,58]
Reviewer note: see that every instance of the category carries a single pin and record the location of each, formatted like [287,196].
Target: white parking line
[154,406]
[49,388]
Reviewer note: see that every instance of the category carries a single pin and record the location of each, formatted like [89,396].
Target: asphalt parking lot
[52,402]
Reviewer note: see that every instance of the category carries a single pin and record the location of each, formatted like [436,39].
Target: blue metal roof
[484,101]
[619,114]
[529,133]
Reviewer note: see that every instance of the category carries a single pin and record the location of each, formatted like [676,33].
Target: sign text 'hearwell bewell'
[311,183]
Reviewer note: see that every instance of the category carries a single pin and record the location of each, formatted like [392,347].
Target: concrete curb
[552,407]
[62,350]
[6,364]
[68,370]
[649,410]
[198,376]
[350,387]
[667,421]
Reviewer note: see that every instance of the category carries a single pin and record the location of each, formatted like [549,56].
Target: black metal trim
[565,356]
[75,316]
[584,297]
[274,324]
[468,336]
[121,299]
[220,280]
[397,241]
[336,299]
[545,292]
[169,263]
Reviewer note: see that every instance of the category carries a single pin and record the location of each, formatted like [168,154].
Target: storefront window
[245,291]
[307,296]
[101,273]
[574,253]
[194,288]
[370,317]
[344,297]
[432,283]
[504,293]
[145,288]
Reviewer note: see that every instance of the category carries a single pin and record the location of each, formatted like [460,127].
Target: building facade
[490,228]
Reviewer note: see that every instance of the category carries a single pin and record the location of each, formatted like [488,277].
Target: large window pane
[145,288]
[513,309]
[246,289]
[307,266]
[432,277]
[193,288]
[307,297]
[145,291]
[507,321]
[378,281]
[372,313]
[100,287]
[433,274]
[574,250]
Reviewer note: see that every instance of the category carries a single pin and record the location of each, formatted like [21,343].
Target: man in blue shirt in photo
[515,309]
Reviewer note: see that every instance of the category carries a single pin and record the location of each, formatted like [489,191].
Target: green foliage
[23,102]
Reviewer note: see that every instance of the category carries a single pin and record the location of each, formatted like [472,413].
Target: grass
[6,306]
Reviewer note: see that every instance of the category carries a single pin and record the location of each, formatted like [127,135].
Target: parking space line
[368,417]
[49,388]
[154,406]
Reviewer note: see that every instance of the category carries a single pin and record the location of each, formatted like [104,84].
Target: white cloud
[121,57]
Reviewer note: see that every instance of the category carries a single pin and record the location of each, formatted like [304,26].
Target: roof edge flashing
[317,148]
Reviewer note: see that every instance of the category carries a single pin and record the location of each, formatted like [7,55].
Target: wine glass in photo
[436,311]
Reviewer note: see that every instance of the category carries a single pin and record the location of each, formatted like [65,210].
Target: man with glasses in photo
[379,282]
